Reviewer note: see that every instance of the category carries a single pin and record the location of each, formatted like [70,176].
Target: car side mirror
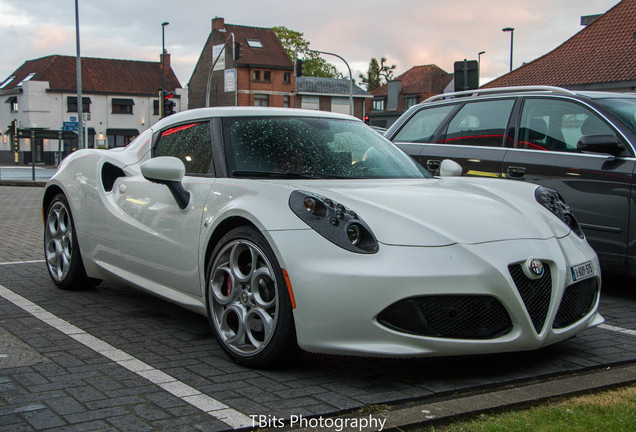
[450,168]
[169,171]
[600,143]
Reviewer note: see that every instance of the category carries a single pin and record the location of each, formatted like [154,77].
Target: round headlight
[354,233]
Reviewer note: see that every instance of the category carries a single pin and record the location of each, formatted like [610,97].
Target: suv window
[189,142]
[421,127]
[557,125]
[480,123]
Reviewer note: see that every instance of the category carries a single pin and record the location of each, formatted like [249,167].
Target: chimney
[165,57]
[218,24]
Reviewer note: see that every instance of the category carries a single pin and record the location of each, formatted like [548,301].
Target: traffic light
[238,50]
[299,68]
[167,103]
[366,119]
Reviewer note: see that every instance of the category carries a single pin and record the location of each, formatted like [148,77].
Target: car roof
[524,90]
[203,113]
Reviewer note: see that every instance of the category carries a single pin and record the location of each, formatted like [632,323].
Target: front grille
[448,316]
[535,294]
[578,300]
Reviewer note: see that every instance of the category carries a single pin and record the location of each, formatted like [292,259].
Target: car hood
[439,212]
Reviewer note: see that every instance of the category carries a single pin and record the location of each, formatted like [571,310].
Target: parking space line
[618,329]
[22,262]
[186,393]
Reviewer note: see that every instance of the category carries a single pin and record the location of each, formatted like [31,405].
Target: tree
[296,46]
[376,74]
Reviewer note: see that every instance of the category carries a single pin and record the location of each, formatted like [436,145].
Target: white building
[120,100]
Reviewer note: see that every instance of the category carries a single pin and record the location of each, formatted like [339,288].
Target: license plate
[582,271]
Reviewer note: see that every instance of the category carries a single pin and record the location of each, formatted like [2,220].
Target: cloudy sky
[406,32]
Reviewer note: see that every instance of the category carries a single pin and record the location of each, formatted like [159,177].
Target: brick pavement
[61,385]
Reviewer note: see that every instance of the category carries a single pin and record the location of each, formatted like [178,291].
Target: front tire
[247,300]
[61,249]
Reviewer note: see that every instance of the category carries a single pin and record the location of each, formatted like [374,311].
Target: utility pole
[80,100]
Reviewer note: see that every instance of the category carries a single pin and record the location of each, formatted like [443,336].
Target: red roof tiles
[603,52]
[99,75]
[423,80]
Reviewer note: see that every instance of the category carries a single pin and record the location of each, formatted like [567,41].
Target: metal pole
[350,77]
[80,100]
[163,56]
[511,30]
[32,155]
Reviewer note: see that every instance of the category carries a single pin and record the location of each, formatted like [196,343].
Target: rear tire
[247,300]
[61,249]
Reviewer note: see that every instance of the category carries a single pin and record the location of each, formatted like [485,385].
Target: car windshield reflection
[313,148]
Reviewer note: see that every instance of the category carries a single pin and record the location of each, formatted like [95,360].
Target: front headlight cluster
[551,200]
[333,221]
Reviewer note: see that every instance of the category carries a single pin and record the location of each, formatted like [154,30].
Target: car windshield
[312,147]
[623,108]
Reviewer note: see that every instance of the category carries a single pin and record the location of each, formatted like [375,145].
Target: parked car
[580,144]
[303,228]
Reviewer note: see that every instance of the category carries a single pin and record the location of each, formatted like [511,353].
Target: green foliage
[377,74]
[296,46]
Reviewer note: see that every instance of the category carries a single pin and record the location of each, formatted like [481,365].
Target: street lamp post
[512,32]
[163,56]
[351,110]
[479,63]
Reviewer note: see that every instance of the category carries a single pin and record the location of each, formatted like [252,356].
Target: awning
[123,101]
[11,100]
[124,132]
[73,100]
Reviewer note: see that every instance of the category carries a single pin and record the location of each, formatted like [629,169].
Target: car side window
[557,125]
[189,142]
[480,123]
[421,127]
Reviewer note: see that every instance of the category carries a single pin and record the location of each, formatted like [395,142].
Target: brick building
[412,87]
[264,74]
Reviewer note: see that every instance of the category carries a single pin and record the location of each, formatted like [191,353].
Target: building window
[71,104]
[256,75]
[254,43]
[155,107]
[6,83]
[261,100]
[123,106]
[286,100]
[267,76]
[310,102]
[378,105]
[287,78]
[13,103]
[409,101]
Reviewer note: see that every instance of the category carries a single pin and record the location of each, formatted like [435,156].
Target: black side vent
[110,173]
[536,294]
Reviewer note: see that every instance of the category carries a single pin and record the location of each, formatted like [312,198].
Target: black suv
[582,144]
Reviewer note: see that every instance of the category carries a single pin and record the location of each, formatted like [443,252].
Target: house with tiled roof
[330,94]
[602,56]
[120,99]
[262,73]
[412,87]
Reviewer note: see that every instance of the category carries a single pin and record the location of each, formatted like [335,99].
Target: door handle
[433,164]
[516,171]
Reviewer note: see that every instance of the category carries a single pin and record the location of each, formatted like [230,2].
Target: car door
[159,240]
[473,133]
[596,186]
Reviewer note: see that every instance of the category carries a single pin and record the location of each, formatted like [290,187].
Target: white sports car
[292,228]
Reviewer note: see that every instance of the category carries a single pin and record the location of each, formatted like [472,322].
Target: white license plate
[582,271]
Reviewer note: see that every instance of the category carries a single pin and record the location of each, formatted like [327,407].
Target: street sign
[70,126]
